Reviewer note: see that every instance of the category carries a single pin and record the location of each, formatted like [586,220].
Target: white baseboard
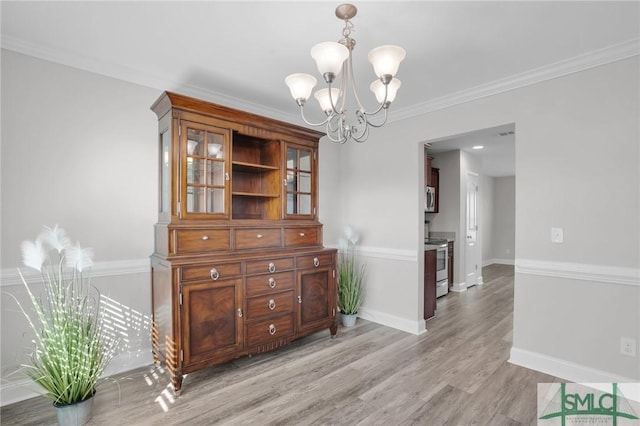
[458,287]
[18,388]
[413,327]
[564,369]
[488,262]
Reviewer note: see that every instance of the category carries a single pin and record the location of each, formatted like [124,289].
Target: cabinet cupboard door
[204,153]
[212,320]
[300,200]
[316,297]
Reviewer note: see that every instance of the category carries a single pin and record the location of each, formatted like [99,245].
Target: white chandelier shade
[388,94]
[386,60]
[334,60]
[301,85]
[325,100]
[329,57]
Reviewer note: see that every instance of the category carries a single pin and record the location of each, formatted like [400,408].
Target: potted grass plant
[350,278]
[72,345]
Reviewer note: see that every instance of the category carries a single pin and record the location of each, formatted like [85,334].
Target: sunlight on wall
[130,328]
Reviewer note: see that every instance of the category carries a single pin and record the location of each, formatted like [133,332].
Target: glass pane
[305,204]
[305,160]
[292,158]
[291,204]
[215,198]
[215,145]
[195,200]
[291,181]
[164,173]
[305,182]
[216,173]
[195,142]
[195,170]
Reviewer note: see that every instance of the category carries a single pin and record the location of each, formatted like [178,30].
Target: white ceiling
[498,155]
[238,53]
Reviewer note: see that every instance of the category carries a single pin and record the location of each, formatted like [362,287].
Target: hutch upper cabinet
[238,267]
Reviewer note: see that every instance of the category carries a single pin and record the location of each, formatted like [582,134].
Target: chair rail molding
[579,271]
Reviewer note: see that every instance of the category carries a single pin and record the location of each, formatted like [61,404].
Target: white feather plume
[351,234]
[33,254]
[56,238]
[78,257]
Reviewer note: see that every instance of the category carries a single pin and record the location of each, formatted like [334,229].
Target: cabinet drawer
[269,265]
[201,240]
[269,329]
[269,283]
[258,238]
[271,304]
[298,237]
[212,271]
[315,260]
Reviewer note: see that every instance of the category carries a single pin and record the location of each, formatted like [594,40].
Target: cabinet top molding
[169,100]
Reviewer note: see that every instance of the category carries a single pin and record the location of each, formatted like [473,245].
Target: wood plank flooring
[455,374]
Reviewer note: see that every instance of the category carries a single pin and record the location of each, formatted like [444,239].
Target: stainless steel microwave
[429,199]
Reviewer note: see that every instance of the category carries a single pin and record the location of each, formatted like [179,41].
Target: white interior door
[471,246]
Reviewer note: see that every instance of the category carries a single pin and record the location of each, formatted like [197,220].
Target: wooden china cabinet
[239,267]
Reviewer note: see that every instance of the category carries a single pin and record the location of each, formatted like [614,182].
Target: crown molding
[572,65]
[139,77]
[575,64]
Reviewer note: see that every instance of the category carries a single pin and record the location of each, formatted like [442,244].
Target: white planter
[75,414]
[348,320]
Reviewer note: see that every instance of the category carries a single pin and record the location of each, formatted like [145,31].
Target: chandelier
[331,59]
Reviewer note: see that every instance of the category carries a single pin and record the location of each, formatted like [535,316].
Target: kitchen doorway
[493,169]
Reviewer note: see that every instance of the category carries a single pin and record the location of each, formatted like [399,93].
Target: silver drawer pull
[302,234]
[240,313]
[272,267]
[316,262]
[214,274]
[299,299]
[272,304]
[259,236]
[272,283]
[272,329]
[205,238]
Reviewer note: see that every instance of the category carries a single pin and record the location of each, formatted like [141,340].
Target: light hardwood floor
[455,374]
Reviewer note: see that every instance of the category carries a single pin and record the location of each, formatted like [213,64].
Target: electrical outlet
[557,235]
[628,346]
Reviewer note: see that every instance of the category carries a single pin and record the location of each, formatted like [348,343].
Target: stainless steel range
[442,273]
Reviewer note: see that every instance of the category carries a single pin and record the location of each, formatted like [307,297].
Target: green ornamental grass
[350,275]
[72,345]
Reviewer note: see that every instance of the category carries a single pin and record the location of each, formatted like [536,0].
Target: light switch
[557,235]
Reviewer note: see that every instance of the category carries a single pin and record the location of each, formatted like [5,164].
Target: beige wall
[563,126]
[78,150]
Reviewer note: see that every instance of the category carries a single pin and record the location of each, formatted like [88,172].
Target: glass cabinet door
[299,180]
[206,173]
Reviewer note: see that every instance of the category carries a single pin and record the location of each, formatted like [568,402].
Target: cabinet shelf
[254,195]
[251,167]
